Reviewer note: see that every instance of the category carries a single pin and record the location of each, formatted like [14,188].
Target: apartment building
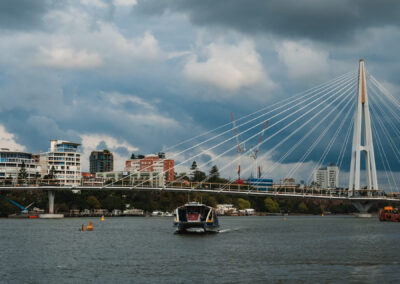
[101,161]
[63,161]
[327,177]
[156,164]
[11,163]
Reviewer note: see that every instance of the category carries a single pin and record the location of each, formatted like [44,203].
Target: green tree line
[166,201]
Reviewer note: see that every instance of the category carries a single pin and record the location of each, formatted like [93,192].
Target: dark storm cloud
[23,14]
[330,20]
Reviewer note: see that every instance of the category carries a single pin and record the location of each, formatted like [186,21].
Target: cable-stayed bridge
[301,134]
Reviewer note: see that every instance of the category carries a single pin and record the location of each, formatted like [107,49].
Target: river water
[248,250]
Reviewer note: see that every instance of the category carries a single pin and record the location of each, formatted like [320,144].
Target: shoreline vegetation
[100,202]
[168,201]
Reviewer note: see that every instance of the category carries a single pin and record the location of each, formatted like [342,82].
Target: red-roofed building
[152,163]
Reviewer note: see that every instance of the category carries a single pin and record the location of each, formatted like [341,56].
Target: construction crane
[24,210]
[254,154]
[239,147]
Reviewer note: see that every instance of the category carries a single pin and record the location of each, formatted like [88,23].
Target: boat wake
[228,230]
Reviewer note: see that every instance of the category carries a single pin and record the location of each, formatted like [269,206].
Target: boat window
[193,209]
[182,215]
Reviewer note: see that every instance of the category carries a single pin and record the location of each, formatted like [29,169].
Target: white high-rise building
[66,161]
[11,163]
[327,177]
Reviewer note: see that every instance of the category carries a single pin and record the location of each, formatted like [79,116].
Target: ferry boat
[195,217]
[389,213]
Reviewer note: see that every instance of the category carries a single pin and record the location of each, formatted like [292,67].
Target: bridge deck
[333,194]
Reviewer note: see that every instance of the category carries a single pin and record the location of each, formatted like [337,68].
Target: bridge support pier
[363,208]
[51,194]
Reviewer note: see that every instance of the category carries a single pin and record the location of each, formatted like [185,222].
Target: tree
[113,202]
[92,202]
[271,205]
[8,180]
[182,176]
[209,200]
[62,207]
[243,203]
[214,174]
[194,166]
[315,184]
[193,169]
[37,177]
[133,156]
[51,173]
[22,174]
[199,176]
[302,207]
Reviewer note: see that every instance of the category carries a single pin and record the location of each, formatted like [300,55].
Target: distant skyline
[139,76]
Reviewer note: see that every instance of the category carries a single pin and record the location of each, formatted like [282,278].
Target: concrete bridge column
[363,208]
[51,195]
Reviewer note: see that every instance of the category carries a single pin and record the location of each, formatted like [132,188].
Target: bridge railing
[184,184]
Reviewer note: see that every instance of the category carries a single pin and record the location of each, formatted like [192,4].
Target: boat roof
[194,203]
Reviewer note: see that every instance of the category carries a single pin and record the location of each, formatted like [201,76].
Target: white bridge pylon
[362,141]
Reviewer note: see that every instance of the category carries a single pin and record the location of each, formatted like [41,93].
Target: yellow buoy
[284,218]
[89,227]
[102,218]
[322,214]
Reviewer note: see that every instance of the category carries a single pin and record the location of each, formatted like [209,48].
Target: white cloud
[7,140]
[79,41]
[152,120]
[68,58]
[94,3]
[117,99]
[125,2]
[303,61]
[145,115]
[393,89]
[91,141]
[229,67]
[143,48]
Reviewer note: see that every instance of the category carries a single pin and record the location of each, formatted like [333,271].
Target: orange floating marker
[82,228]
[102,218]
[89,227]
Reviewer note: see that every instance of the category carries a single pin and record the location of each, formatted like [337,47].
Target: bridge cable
[383,156]
[329,147]
[379,100]
[347,79]
[306,154]
[386,132]
[322,135]
[306,136]
[384,91]
[306,93]
[388,137]
[346,142]
[298,129]
[289,124]
[234,147]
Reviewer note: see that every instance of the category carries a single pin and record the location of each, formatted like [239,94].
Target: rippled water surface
[249,249]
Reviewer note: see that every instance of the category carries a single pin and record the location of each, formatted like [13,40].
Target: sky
[139,76]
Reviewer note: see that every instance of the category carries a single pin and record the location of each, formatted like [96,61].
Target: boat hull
[196,217]
[389,215]
[197,227]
